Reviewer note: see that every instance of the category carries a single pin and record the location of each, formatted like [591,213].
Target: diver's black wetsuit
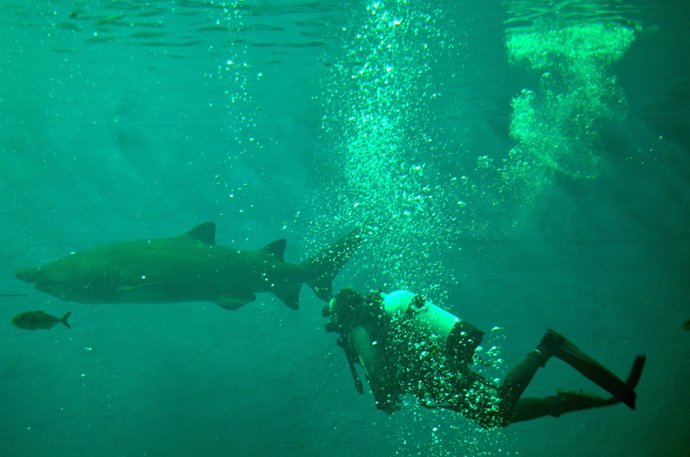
[414,347]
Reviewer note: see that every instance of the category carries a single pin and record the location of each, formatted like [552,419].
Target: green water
[523,164]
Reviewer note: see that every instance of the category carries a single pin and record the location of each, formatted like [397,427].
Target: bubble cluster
[559,126]
[237,74]
[378,125]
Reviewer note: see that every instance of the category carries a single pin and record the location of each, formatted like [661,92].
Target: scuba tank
[428,317]
[461,337]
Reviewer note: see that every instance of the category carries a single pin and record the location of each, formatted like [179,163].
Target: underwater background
[525,164]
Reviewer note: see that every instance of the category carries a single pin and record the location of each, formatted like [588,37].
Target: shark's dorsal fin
[206,233]
[275,249]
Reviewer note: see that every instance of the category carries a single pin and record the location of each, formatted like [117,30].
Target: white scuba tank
[429,318]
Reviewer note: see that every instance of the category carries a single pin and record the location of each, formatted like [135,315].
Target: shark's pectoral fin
[233,303]
[126,289]
[288,294]
[138,292]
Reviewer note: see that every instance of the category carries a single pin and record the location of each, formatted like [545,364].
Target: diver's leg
[519,377]
[492,406]
[532,408]
[565,402]
[477,399]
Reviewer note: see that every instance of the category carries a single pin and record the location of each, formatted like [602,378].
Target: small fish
[33,320]
[686,325]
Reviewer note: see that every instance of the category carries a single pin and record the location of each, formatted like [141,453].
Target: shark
[189,267]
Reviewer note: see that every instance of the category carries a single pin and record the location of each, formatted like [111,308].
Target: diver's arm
[365,350]
[381,381]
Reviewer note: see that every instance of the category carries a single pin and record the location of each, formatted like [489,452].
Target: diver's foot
[556,345]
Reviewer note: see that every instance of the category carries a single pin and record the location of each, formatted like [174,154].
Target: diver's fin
[64,319]
[636,371]
[558,346]
[325,265]
[633,379]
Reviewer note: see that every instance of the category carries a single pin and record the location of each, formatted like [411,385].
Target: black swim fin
[558,346]
[636,371]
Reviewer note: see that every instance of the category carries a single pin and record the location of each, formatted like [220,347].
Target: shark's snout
[28,275]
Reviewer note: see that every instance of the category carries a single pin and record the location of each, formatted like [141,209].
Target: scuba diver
[407,345]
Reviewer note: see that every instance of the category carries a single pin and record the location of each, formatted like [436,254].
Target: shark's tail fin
[325,265]
[64,320]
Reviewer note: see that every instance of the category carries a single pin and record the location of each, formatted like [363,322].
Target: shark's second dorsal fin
[206,233]
[275,249]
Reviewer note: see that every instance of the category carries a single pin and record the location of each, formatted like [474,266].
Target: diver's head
[343,309]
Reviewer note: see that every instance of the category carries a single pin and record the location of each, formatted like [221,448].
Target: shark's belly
[205,274]
[186,284]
